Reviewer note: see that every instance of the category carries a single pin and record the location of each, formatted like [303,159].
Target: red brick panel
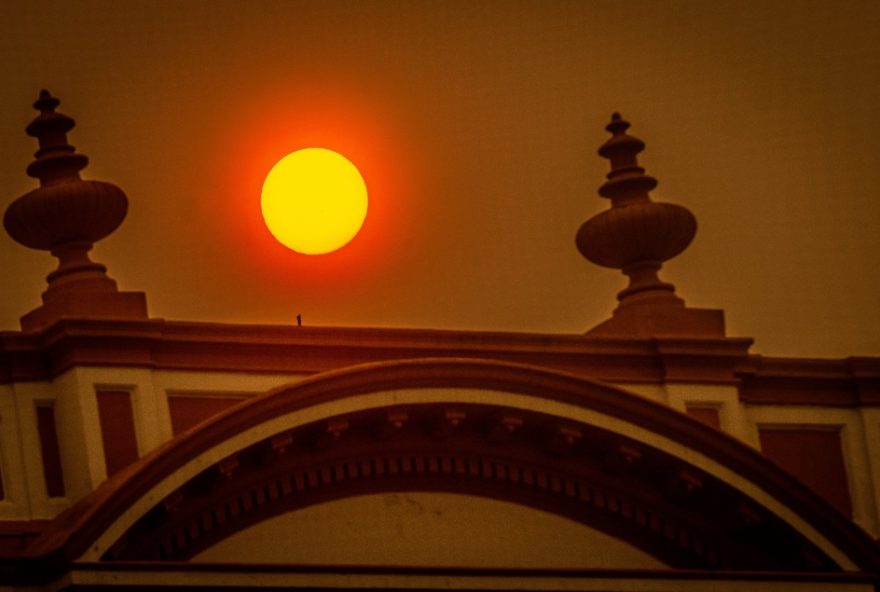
[50,449]
[117,429]
[815,457]
[187,410]
[705,414]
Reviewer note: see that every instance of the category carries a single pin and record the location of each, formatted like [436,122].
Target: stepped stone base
[87,305]
[641,322]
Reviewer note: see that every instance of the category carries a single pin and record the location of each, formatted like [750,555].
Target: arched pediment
[688,495]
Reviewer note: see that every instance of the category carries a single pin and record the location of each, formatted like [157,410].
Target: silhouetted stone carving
[636,236]
[66,216]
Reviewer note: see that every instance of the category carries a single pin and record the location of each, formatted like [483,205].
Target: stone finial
[66,216]
[56,160]
[636,235]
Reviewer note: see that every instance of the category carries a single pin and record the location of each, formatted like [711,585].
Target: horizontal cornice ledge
[195,346]
[847,382]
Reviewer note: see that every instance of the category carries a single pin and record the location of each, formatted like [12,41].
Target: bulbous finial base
[81,288]
[70,211]
[65,216]
[645,284]
[636,235]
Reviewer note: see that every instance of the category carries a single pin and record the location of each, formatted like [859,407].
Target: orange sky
[476,126]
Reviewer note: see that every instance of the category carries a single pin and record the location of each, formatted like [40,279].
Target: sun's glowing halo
[314,201]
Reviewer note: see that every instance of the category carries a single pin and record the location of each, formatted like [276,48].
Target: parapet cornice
[194,346]
[847,382]
[219,347]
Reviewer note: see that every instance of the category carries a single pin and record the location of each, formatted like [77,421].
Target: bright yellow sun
[314,201]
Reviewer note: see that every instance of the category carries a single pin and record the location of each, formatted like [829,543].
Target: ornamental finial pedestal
[66,216]
[637,235]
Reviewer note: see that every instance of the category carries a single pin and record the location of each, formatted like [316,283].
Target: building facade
[653,452]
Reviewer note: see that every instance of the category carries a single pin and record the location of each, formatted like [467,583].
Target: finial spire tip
[46,102]
[618,124]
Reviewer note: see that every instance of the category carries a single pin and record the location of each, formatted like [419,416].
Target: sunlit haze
[475,126]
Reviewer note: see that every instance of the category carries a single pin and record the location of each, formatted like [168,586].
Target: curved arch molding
[690,496]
